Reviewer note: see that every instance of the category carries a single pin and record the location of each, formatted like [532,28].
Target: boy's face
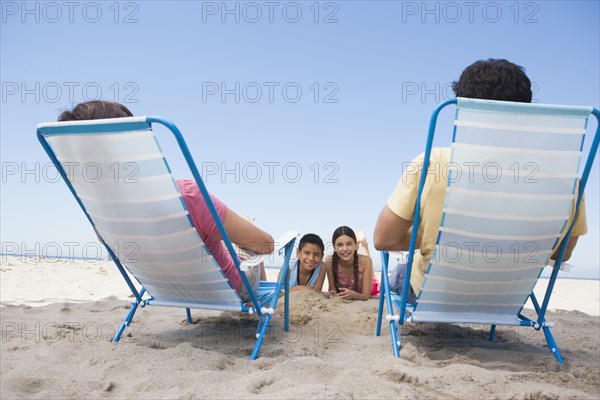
[310,256]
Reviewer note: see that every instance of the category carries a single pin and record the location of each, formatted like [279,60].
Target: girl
[306,272]
[349,273]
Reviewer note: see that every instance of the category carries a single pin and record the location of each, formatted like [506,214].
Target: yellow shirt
[402,203]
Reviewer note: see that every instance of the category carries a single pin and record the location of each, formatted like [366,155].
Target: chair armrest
[280,243]
[563,267]
[284,240]
[401,256]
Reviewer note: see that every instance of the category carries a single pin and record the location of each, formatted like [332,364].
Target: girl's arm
[367,277]
[367,268]
[327,265]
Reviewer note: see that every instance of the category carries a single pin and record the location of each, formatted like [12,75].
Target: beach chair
[118,174]
[498,226]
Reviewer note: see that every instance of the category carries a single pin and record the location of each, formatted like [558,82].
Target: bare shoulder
[365,262]
[363,258]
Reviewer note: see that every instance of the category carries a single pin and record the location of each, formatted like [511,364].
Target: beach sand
[58,317]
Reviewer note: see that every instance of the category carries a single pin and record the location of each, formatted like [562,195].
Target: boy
[306,271]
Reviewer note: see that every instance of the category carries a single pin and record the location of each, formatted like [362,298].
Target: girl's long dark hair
[343,230]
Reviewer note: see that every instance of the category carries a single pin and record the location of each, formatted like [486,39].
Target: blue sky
[301,113]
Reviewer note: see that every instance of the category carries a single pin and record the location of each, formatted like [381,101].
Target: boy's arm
[320,279]
[328,269]
[300,287]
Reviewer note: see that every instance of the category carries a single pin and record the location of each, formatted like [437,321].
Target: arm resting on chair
[392,232]
[569,250]
[247,235]
[280,243]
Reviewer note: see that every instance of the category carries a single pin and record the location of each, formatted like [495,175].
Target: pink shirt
[207,228]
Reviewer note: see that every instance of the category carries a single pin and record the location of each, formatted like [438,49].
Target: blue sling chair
[501,211]
[144,224]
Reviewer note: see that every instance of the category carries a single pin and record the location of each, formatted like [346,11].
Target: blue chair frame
[258,306]
[540,322]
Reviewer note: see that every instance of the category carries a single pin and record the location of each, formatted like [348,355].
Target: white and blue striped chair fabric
[512,181]
[124,182]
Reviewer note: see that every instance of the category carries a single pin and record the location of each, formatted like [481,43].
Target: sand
[58,318]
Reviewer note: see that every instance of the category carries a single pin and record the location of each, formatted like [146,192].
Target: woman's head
[95,109]
[310,251]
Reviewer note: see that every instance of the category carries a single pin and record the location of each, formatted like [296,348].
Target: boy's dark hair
[95,109]
[494,79]
[312,239]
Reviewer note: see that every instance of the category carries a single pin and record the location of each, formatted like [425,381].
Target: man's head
[95,109]
[493,79]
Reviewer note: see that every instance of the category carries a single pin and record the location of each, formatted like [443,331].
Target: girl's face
[310,256]
[345,247]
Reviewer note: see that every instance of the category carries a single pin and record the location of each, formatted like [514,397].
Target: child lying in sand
[349,273]
[307,272]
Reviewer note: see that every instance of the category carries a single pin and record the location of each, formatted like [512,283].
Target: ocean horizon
[376,268]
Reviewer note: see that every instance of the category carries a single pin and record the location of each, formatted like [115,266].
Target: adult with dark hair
[494,80]
[306,271]
[486,79]
[349,274]
[96,109]
[241,232]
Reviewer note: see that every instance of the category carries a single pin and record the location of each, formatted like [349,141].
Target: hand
[346,294]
